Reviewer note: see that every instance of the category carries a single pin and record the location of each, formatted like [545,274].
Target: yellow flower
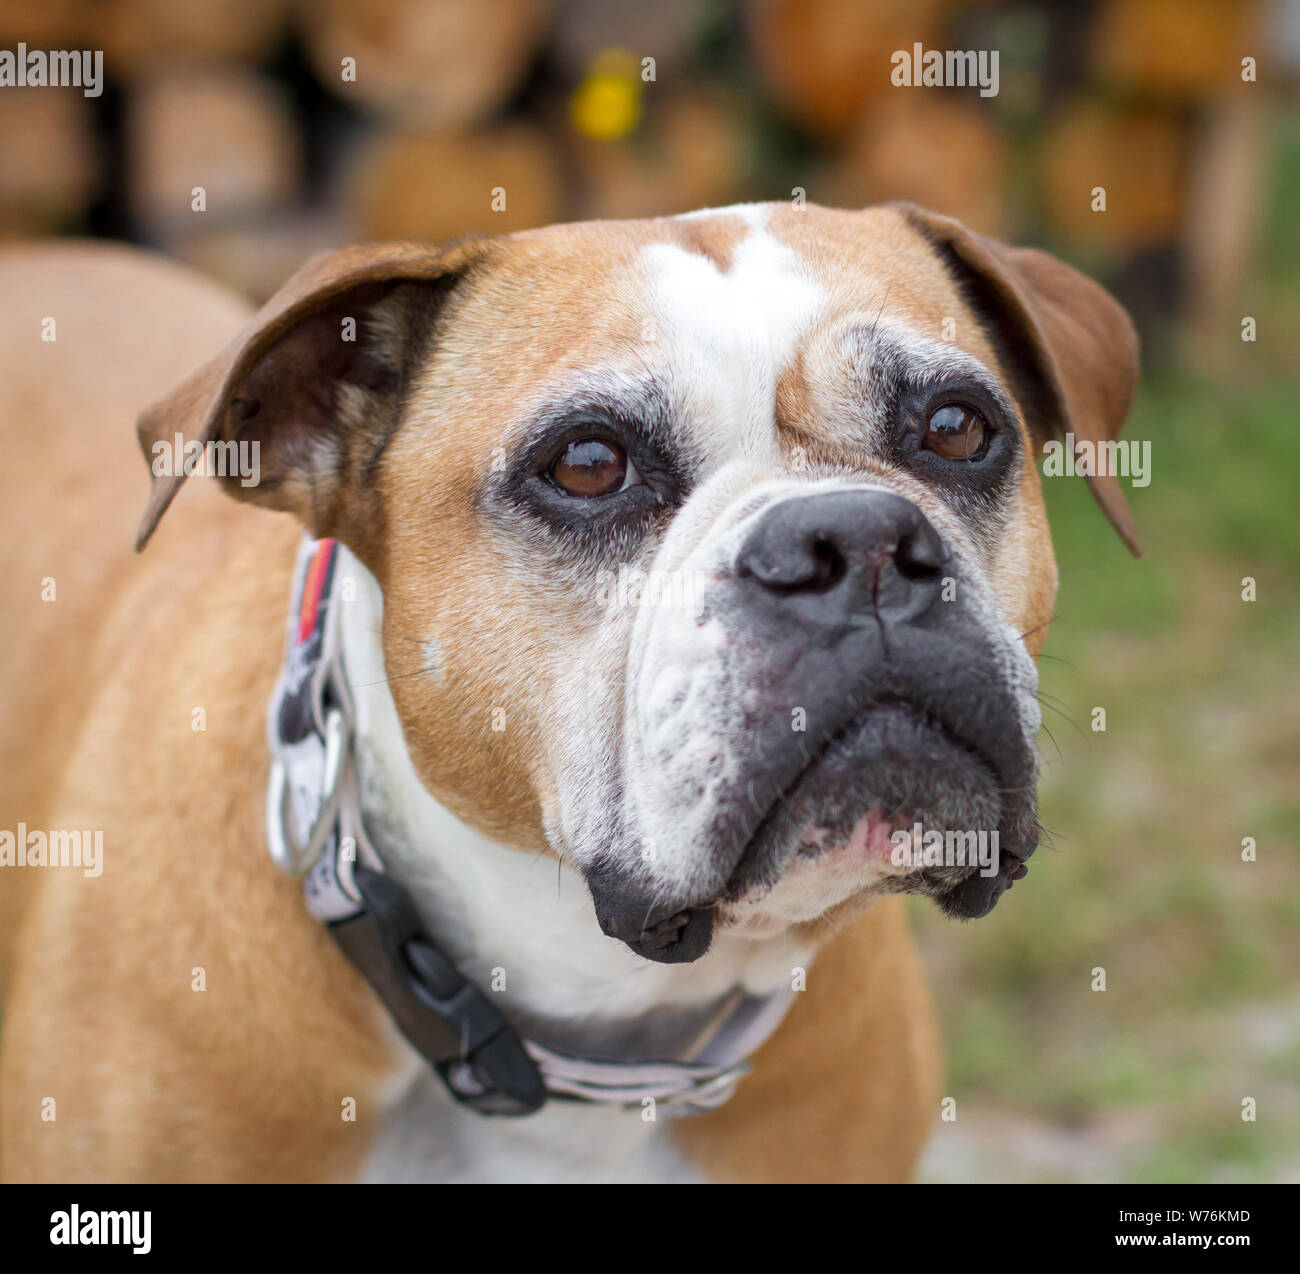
[607,104]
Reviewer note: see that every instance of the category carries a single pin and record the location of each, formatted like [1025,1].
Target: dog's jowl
[658,602]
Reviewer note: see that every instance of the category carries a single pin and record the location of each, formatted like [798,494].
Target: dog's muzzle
[847,609]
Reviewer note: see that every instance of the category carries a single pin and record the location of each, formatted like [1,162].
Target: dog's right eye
[956,432]
[590,467]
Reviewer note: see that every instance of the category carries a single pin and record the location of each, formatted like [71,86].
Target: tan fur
[848,1087]
[244,1080]
[152,1080]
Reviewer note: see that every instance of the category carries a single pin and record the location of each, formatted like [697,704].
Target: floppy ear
[315,380]
[1070,348]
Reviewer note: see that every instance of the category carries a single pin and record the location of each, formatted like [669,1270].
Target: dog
[687,578]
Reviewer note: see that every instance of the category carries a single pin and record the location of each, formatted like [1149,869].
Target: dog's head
[712,548]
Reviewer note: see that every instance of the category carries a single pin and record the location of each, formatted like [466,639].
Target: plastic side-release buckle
[489,1069]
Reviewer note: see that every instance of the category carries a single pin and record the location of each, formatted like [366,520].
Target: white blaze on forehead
[728,334]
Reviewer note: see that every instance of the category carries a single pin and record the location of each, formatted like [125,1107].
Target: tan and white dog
[613,807]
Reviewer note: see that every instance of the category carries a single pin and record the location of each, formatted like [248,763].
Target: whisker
[1065,716]
[426,671]
[1051,619]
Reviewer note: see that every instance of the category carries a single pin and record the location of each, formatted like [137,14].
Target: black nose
[841,552]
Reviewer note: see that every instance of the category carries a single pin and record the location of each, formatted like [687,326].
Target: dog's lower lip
[736,882]
[739,880]
[681,937]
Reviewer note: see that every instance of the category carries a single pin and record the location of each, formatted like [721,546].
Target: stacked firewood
[243,134]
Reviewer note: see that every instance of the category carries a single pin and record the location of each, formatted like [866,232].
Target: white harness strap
[315,831]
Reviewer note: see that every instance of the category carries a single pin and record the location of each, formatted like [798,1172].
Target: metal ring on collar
[709,1092]
[286,853]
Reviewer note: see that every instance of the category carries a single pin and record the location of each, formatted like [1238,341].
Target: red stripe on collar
[317,573]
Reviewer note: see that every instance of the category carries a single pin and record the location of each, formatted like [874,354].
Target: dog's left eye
[592,467]
[956,432]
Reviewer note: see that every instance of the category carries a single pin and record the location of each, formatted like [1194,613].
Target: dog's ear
[1070,348]
[315,380]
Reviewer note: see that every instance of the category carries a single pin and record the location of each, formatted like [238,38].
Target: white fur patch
[728,335]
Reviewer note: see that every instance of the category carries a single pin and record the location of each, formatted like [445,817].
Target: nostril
[796,564]
[916,557]
[828,566]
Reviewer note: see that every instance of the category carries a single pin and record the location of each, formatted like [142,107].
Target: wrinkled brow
[638,398]
[886,363]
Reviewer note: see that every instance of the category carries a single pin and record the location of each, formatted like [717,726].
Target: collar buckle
[484,1063]
[286,852]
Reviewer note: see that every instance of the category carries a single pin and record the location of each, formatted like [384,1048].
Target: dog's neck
[521,923]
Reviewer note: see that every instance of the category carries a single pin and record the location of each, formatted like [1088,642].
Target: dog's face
[713,552]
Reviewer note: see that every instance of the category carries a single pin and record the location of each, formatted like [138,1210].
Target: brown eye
[591,467]
[956,432]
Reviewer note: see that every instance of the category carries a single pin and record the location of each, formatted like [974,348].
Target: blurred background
[319,123]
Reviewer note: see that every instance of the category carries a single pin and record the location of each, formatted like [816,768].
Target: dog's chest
[426,1137]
